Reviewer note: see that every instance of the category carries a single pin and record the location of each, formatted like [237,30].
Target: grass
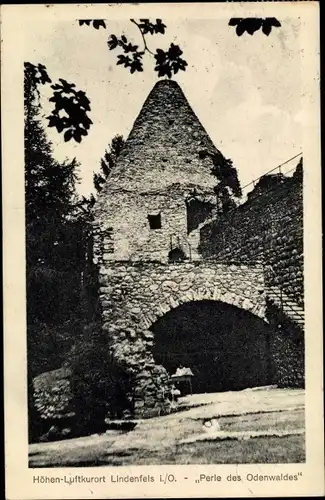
[284,420]
[289,449]
[156,442]
[80,452]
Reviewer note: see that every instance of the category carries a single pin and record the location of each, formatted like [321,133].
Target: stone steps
[290,308]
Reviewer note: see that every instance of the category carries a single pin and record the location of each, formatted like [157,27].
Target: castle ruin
[163,302]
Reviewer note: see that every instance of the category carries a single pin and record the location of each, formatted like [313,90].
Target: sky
[245,90]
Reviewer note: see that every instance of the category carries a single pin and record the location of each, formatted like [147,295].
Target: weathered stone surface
[269,226]
[52,394]
[154,177]
[163,299]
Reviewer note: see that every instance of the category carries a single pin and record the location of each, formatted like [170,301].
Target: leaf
[122,59]
[274,22]
[169,62]
[130,48]
[44,76]
[75,107]
[146,26]
[136,66]
[59,126]
[97,23]
[252,25]
[124,39]
[68,135]
[234,21]
[266,27]
[174,52]
[77,136]
[112,42]
[160,26]
[240,29]
[52,120]
[160,56]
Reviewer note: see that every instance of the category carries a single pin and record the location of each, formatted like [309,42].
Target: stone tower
[147,220]
[148,199]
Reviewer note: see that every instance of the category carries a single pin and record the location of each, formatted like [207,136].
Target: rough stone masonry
[141,219]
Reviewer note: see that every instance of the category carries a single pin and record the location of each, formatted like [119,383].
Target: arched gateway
[146,250]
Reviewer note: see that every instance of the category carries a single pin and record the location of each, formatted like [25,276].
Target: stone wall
[123,229]
[267,228]
[287,349]
[134,295]
[288,355]
[52,393]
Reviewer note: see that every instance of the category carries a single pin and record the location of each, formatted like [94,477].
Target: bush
[89,387]
[53,400]
[100,386]
[48,344]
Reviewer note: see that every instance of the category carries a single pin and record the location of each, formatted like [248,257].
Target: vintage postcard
[162,250]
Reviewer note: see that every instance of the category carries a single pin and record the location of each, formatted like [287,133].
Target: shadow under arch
[226,347]
[175,299]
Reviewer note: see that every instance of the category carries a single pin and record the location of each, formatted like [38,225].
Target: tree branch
[146,48]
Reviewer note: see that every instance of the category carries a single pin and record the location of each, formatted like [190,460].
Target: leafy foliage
[96,23]
[54,399]
[135,64]
[99,384]
[54,253]
[54,232]
[268,181]
[114,42]
[49,196]
[167,62]
[146,26]
[227,174]
[108,161]
[70,105]
[49,185]
[37,74]
[135,61]
[75,106]
[34,417]
[252,24]
[228,188]
[58,248]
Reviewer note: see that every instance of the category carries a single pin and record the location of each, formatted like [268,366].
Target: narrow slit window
[154,221]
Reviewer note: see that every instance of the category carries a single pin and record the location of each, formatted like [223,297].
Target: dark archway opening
[227,348]
[176,255]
